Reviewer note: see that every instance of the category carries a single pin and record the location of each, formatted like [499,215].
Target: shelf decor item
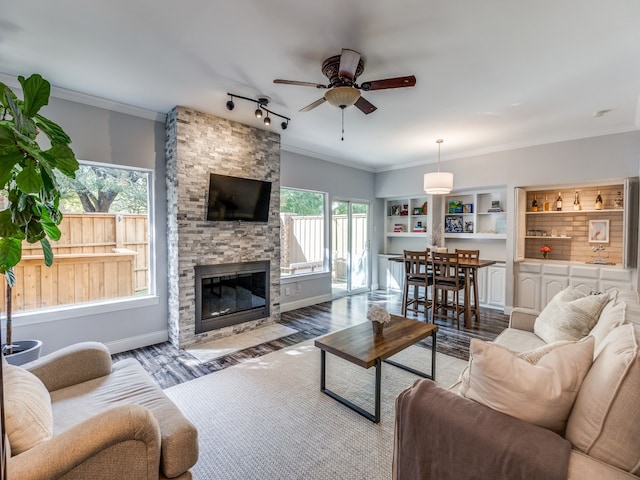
[599,231]
[546,250]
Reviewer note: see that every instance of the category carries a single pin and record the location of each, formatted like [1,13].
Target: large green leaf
[7,227]
[10,252]
[10,276]
[36,93]
[29,180]
[6,134]
[35,231]
[65,159]
[5,92]
[47,251]
[23,124]
[9,157]
[52,231]
[52,130]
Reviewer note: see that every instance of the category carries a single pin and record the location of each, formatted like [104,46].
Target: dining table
[467,266]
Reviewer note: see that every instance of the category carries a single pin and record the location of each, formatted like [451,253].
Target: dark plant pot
[378,328]
[24,351]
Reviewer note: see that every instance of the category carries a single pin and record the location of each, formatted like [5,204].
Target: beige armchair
[107,421]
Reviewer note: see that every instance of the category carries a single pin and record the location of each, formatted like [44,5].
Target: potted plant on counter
[28,183]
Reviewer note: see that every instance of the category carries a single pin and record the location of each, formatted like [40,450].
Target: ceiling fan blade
[301,84]
[365,106]
[313,105]
[397,82]
[348,64]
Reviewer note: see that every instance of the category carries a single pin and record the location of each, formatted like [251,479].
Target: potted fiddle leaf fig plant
[30,211]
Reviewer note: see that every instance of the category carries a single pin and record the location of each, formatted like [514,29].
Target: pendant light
[438,183]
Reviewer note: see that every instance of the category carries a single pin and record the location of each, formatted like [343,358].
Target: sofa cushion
[29,420]
[613,315]
[605,418]
[519,340]
[570,315]
[538,387]
[129,383]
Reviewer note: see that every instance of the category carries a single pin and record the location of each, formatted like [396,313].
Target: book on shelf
[397,228]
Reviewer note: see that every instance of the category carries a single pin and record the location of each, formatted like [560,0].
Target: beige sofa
[88,418]
[602,435]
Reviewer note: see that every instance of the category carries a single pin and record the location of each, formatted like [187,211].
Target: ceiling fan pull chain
[342,108]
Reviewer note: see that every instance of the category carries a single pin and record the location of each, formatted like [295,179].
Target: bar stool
[446,280]
[416,275]
[473,284]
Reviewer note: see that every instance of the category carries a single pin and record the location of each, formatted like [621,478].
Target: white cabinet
[477,214]
[390,274]
[536,283]
[491,286]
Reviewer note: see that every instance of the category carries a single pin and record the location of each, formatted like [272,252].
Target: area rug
[267,419]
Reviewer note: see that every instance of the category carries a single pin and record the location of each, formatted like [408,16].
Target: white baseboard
[305,302]
[139,341]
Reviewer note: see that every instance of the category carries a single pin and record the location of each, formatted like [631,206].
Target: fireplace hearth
[230,294]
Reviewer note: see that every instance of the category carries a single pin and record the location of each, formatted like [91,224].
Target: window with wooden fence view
[103,253]
[302,220]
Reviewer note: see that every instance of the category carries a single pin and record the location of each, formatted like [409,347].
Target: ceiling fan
[343,91]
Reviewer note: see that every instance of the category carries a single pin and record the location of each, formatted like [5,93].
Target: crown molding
[91,100]
[326,158]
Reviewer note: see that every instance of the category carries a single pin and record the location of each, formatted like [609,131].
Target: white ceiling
[491,75]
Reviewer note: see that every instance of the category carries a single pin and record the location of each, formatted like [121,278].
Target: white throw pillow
[29,419]
[570,315]
[538,387]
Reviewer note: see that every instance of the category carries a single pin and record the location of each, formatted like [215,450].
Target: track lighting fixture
[261,102]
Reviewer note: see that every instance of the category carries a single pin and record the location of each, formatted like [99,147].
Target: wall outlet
[287,291]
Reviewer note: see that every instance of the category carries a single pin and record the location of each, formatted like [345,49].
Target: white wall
[340,182]
[102,135]
[571,162]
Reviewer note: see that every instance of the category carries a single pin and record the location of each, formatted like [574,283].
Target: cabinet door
[551,285]
[482,286]
[496,285]
[528,291]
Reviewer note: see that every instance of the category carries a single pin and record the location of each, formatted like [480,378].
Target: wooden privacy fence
[303,240]
[99,256]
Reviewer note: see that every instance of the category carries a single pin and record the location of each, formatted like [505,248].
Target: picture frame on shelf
[453,224]
[599,231]
[395,210]
[417,210]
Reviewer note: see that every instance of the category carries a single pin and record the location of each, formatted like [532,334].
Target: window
[302,232]
[104,250]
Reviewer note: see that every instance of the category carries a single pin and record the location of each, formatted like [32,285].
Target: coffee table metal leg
[375,418]
[418,372]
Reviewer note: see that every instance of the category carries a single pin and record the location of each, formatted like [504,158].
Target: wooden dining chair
[416,275]
[447,284]
[473,284]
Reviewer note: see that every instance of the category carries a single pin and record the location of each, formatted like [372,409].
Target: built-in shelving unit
[476,215]
[407,223]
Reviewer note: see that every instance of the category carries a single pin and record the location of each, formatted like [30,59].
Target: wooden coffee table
[359,345]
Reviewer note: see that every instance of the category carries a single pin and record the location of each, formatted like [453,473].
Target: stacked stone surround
[198,144]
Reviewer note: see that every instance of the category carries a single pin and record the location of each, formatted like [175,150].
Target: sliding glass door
[350,247]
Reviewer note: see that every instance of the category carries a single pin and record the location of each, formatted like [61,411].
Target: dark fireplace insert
[231,293]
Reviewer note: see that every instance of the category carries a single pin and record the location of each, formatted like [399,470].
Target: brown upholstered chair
[416,275]
[447,284]
[473,284]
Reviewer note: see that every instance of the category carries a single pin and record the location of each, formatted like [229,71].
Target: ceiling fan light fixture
[438,183]
[342,97]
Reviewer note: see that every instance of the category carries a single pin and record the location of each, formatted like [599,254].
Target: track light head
[267,120]
[230,105]
[284,125]
[258,113]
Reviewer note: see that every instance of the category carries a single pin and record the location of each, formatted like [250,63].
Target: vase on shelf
[545,255]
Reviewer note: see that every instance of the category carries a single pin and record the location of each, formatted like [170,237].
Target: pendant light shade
[438,183]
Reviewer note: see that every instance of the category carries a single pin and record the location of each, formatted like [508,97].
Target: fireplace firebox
[230,294]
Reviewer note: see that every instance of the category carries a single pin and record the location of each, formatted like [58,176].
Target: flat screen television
[238,199]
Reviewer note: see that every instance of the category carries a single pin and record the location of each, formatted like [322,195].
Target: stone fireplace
[231,294]
[197,145]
